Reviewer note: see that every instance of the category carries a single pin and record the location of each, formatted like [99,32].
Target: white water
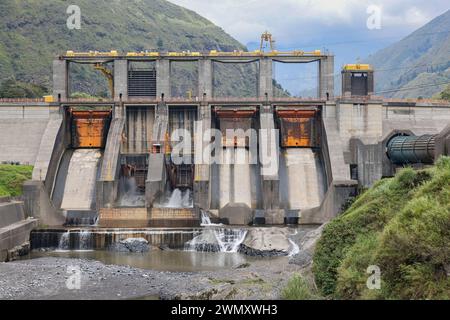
[178,199]
[83,241]
[130,195]
[226,239]
[206,220]
[295,249]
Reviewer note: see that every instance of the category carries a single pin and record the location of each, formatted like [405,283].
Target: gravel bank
[45,278]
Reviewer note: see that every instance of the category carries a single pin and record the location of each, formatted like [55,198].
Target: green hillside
[417,61]
[401,225]
[33,32]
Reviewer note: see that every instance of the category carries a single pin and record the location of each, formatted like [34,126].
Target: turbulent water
[216,238]
[130,195]
[178,199]
[82,239]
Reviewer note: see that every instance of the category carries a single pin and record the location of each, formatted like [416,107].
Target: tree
[446,94]
[12,88]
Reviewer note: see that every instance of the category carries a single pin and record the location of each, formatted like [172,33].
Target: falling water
[216,238]
[64,241]
[83,240]
[130,195]
[178,199]
[206,220]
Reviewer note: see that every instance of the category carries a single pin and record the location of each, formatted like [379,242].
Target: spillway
[303,186]
[79,189]
[235,179]
[74,188]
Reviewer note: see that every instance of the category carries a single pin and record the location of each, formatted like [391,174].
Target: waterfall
[178,199]
[130,194]
[295,249]
[214,238]
[206,220]
[230,239]
[64,241]
[81,240]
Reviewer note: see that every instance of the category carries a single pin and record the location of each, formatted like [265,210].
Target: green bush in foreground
[298,289]
[12,178]
[402,225]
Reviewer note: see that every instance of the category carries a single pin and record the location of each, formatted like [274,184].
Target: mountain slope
[417,61]
[33,32]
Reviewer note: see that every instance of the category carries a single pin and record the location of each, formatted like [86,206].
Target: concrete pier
[120,80]
[163,78]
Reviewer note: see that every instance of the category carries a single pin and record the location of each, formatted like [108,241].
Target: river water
[172,260]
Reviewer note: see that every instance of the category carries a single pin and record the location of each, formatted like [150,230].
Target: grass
[401,225]
[12,178]
[298,288]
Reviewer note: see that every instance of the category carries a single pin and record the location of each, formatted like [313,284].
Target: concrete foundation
[15,228]
[236,214]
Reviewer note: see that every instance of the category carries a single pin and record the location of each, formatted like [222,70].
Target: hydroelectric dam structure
[109,162]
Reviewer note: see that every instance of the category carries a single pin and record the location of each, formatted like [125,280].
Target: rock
[18,251]
[243,265]
[302,259]
[266,242]
[307,246]
[204,242]
[138,245]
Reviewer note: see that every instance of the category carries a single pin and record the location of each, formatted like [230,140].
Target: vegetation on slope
[401,225]
[17,89]
[419,60]
[33,32]
[299,288]
[12,178]
[445,94]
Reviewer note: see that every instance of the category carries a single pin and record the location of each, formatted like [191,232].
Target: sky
[350,29]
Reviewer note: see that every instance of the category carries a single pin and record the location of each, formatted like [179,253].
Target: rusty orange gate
[89,128]
[299,128]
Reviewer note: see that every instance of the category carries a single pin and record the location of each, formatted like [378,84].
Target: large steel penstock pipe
[411,149]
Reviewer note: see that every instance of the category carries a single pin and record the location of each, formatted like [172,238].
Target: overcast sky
[337,25]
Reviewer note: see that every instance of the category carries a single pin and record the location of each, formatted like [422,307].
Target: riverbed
[51,278]
[160,273]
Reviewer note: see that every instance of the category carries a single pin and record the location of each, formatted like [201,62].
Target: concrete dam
[143,158]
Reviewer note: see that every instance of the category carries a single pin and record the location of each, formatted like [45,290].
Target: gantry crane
[266,37]
[108,74]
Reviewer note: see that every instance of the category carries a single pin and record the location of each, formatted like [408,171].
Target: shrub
[402,225]
[12,178]
[298,288]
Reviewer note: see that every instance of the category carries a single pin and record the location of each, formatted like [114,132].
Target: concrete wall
[336,196]
[363,121]
[419,119]
[14,228]
[21,130]
[108,182]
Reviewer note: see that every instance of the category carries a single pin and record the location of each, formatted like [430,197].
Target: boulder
[138,245]
[266,242]
[306,248]
[204,242]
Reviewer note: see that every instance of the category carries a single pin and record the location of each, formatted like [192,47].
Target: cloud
[339,26]
[309,20]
